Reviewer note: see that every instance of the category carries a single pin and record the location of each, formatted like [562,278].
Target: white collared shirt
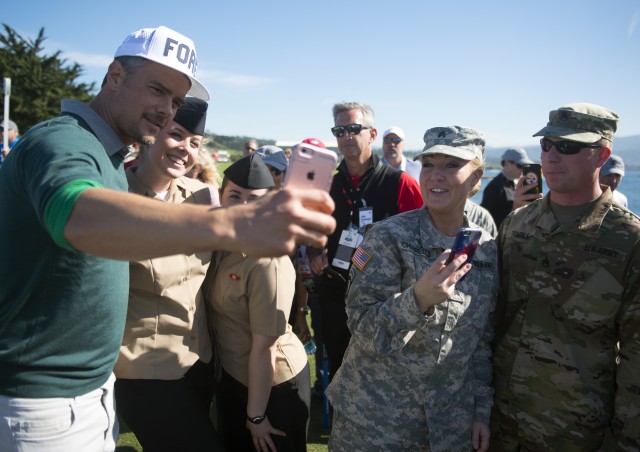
[408,166]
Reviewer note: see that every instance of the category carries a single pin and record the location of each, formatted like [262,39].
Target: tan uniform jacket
[254,296]
[166,330]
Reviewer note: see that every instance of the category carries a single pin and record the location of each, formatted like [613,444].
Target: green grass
[316,442]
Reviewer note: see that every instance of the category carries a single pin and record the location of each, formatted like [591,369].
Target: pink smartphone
[310,167]
[466,242]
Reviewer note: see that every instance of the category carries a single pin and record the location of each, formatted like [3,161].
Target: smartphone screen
[466,242]
[532,173]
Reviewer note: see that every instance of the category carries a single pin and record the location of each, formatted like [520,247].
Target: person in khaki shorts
[264,392]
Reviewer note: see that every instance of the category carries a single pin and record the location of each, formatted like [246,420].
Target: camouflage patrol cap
[456,141]
[581,122]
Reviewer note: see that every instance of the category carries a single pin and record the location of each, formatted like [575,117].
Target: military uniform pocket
[595,302]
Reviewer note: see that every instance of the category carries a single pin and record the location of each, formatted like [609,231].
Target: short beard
[146,140]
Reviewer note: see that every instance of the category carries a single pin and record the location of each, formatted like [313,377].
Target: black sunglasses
[352,129]
[392,140]
[565,147]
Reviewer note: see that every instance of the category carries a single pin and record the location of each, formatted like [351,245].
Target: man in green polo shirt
[69,226]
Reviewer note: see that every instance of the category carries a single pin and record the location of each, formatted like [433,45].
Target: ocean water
[630,186]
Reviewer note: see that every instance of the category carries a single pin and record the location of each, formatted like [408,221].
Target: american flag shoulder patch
[360,258]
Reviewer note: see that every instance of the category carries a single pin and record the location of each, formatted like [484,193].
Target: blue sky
[276,68]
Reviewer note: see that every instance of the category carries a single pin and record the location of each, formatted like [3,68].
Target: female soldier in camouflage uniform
[417,373]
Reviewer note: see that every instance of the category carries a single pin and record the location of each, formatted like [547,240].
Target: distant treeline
[232,143]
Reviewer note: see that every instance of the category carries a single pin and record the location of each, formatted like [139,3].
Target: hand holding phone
[310,167]
[466,242]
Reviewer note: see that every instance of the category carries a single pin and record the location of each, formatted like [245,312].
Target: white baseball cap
[169,48]
[395,129]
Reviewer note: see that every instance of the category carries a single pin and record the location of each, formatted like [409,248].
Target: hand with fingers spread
[261,434]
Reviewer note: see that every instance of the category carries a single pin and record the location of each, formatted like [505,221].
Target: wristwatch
[256,420]
[304,309]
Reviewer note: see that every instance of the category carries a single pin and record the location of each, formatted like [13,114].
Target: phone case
[532,173]
[466,242]
[310,167]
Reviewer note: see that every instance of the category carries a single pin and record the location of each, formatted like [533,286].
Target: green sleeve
[59,208]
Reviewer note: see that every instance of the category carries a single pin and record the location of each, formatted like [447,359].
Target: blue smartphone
[466,242]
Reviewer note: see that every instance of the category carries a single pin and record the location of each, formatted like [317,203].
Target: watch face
[256,420]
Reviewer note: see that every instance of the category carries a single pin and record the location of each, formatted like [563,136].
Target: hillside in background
[626,147]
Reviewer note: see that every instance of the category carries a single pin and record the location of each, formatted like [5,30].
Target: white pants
[85,423]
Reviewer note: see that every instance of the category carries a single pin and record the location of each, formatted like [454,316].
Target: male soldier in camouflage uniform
[567,354]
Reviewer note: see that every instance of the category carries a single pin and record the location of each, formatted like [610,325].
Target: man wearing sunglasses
[497,197]
[567,346]
[393,153]
[364,191]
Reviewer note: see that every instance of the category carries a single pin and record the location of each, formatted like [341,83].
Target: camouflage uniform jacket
[398,357]
[569,298]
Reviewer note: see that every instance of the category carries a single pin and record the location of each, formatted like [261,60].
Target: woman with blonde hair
[205,169]
[417,372]
[165,371]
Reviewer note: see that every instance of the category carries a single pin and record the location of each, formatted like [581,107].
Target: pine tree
[38,81]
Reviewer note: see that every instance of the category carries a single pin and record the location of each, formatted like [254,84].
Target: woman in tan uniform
[264,392]
[165,370]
